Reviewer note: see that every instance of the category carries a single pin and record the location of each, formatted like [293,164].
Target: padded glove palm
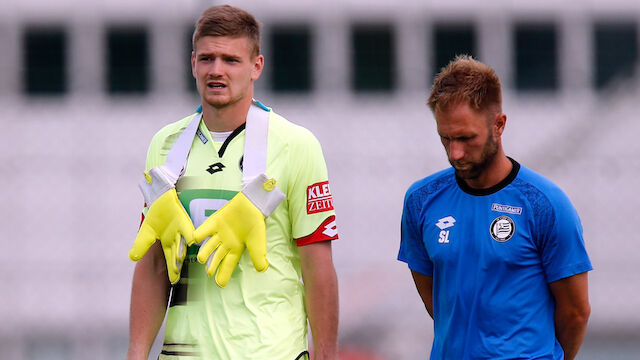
[238,225]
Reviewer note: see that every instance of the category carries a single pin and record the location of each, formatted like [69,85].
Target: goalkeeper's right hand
[166,220]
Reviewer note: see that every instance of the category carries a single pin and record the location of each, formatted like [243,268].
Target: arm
[149,297]
[321,300]
[424,284]
[572,312]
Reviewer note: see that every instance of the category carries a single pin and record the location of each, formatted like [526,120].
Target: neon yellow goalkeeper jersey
[257,315]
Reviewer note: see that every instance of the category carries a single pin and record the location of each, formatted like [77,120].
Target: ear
[193,64]
[499,122]
[258,65]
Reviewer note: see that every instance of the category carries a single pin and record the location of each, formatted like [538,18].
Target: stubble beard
[489,152]
[219,102]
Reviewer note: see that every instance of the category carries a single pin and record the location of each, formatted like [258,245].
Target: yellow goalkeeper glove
[166,220]
[238,225]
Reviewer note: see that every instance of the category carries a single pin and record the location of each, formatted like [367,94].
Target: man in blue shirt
[495,249]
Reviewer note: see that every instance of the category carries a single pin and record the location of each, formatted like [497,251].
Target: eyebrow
[213,54]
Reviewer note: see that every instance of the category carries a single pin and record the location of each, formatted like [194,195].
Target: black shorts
[303,355]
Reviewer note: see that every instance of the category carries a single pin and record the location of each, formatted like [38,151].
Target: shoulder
[171,131]
[433,182]
[426,187]
[534,184]
[290,133]
[163,140]
[543,195]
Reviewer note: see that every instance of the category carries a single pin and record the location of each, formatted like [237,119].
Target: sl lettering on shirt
[319,198]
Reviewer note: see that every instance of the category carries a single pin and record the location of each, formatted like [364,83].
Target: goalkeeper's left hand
[238,225]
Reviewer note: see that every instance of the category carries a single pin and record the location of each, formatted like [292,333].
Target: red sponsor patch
[319,198]
[328,230]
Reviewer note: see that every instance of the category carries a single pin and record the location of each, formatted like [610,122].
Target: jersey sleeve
[309,196]
[153,159]
[153,154]
[412,249]
[562,245]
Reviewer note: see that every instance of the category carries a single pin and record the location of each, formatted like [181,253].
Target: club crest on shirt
[502,228]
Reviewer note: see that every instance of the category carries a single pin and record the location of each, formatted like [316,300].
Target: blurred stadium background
[84,86]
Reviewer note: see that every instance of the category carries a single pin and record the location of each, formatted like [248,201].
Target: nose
[216,68]
[456,150]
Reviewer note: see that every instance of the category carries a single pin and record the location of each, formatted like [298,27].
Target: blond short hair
[227,20]
[466,80]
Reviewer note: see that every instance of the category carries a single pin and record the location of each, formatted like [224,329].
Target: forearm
[570,331]
[321,300]
[149,296]
[424,285]
[322,309]
[572,311]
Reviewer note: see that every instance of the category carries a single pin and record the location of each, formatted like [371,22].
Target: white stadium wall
[71,161]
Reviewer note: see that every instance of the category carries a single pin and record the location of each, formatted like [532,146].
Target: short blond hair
[227,20]
[466,80]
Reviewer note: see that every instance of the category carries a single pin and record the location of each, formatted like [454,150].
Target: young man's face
[469,139]
[225,69]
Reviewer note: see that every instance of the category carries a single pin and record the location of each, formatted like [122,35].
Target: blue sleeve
[412,249]
[562,246]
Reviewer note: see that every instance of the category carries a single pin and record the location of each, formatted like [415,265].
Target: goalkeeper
[246,179]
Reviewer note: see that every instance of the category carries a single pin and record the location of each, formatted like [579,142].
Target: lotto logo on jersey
[319,198]
[443,224]
[328,230]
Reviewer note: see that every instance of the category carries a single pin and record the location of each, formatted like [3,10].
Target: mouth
[461,167]
[215,85]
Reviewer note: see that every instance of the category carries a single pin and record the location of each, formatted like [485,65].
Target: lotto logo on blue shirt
[442,224]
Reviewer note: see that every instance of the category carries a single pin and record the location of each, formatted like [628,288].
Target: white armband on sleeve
[263,194]
[157,181]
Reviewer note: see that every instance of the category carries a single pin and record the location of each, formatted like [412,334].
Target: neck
[226,118]
[497,171]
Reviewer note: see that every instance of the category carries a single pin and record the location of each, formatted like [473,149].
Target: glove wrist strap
[157,181]
[263,195]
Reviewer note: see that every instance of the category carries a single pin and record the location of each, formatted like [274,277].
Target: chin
[469,174]
[217,103]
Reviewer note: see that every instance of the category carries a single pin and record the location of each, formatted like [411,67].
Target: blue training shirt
[491,254]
